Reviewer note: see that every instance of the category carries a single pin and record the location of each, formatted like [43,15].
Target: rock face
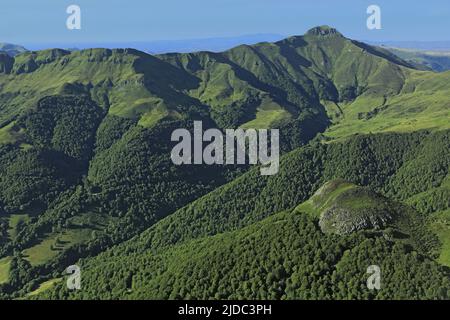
[323,31]
[343,220]
[346,208]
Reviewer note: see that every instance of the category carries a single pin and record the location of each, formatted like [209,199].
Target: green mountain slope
[126,82]
[362,89]
[273,85]
[285,256]
[378,161]
[372,160]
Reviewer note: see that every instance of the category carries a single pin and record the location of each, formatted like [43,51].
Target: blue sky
[43,21]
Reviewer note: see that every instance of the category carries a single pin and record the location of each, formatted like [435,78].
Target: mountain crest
[323,31]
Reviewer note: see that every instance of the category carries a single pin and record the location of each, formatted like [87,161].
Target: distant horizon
[217,43]
[102,21]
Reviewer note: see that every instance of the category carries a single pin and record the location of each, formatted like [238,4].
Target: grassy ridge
[261,85]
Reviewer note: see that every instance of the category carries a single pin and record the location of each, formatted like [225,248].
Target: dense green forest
[285,256]
[251,198]
[87,178]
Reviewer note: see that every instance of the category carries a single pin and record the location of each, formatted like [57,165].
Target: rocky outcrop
[323,31]
[345,208]
[342,221]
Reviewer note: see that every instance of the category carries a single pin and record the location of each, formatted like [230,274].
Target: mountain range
[11,49]
[86,175]
[426,60]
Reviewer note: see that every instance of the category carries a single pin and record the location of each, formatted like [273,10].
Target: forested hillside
[285,256]
[86,171]
[378,161]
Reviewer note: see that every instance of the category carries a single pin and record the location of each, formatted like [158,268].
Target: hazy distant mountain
[424,55]
[425,60]
[418,45]
[166,46]
[11,49]
[211,44]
